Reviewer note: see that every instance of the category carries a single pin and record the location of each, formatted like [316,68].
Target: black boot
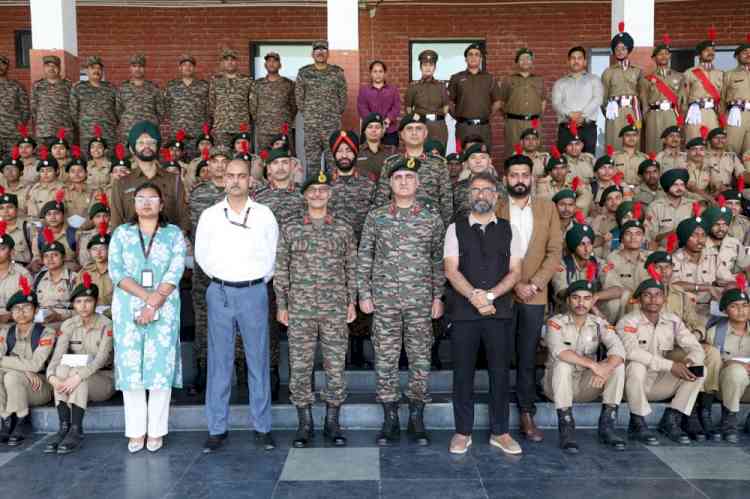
[63,413]
[357,358]
[692,426]
[331,429]
[437,364]
[607,434]
[566,426]
[416,427]
[638,430]
[705,405]
[275,383]
[304,427]
[391,430]
[21,431]
[75,435]
[6,427]
[729,425]
[670,426]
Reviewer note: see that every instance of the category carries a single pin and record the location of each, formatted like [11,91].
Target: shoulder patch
[109,333]
[553,324]
[630,329]
[47,342]
[58,333]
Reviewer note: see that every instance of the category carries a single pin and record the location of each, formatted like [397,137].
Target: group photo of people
[128,211]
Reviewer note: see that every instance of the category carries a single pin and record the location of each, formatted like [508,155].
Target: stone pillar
[54,32]
[343,45]
[638,16]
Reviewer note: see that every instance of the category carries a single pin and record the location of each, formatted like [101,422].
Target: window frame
[254,50]
[465,41]
[19,36]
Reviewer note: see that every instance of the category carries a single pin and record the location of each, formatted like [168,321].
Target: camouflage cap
[219,151]
[93,60]
[186,58]
[138,60]
[4,59]
[320,44]
[428,55]
[273,55]
[51,59]
[228,53]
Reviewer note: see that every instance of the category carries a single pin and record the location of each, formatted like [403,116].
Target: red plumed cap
[580,217]
[23,282]
[244,127]
[555,152]
[120,152]
[610,150]
[671,242]
[86,279]
[180,135]
[518,149]
[49,237]
[573,127]
[61,133]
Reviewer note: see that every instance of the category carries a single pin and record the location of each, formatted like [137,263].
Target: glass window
[23,45]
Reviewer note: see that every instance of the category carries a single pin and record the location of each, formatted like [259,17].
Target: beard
[482,206]
[146,156]
[345,164]
[518,191]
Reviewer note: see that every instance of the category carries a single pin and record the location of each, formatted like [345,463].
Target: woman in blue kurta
[146,261]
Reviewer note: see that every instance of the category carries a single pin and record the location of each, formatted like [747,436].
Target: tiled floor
[103,468]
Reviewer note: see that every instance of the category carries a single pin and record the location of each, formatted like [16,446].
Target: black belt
[524,117]
[473,121]
[238,284]
[438,117]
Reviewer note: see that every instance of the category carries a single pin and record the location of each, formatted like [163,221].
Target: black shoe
[566,426]
[6,427]
[670,426]
[265,439]
[214,442]
[72,440]
[332,429]
[437,364]
[729,426]
[357,349]
[607,434]
[20,432]
[692,426]
[415,428]
[705,405]
[638,430]
[391,431]
[304,427]
[63,413]
[275,383]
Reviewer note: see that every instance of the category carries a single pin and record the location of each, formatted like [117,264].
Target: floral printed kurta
[146,356]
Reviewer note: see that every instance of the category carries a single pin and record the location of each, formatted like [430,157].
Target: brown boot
[529,429]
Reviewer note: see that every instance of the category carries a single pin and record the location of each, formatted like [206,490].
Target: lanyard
[147,251]
[244,220]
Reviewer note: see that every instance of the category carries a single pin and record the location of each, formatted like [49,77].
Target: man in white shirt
[235,244]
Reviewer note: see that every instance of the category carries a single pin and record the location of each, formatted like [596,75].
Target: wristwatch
[490,296]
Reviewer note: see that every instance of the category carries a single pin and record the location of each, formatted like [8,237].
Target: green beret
[205,135]
[623,38]
[625,208]
[453,158]
[52,205]
[563,194]
[716,132]
[242,136]
[435,144]
[670,130]
[686,228]
[19,297]
[92,291]
[659,47]
[575,235]
[99,239]
[8,198]
[372,118]
[120,162]
[409,164]
[411,118]
[646,163]
[53,246]
[269,155]
[529,131]
[669,177]
[609,190]
[50,161]
[343,136]
[97,208]
[628,129]
[26,140]
[476,147]
[518,159]
[7,241]
[630,224]
[554,162]
[75,162]
[730,296]
[9,161]
[647,284]
[565,137]
[695,142]
[732,194]
[319,179]
[657,257]
[603,160]
[428,56]
[146,127]
[713,214]
[522,51]
[581,285]
[704,45]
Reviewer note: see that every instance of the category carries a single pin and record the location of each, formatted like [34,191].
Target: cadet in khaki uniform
[566,210]
[628,159]
[20,230]
[24,349]
[99,215]
[620,82]
[724,165]
[649,189]
[86,334]
[573,373]
[560,177]
[663,215]
[429,97]
[54,284]
[98,166]
[606,220]
[701,90]
[10,272]
[731,254]
[735,98]
[648,335]
[78,195]
[11,169]
[580,163]
[44,191]
[522,95]
[55,228]
[604,177]
[530,142]
[740,223]
[672,156]
[98,247]
[625,267]
[732,337]
[660,96]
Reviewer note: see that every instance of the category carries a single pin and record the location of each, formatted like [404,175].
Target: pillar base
[69,65]
[349,61]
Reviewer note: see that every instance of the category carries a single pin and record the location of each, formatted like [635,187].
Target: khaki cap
[93,60]
[51,59]
[138,60]
[229,53]
[187,58]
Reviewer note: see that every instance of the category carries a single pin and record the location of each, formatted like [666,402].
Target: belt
[707,103]
[434,117]
[524,117]
[623,100]
[473,121]
[664,105]
[238,284]
[743,105]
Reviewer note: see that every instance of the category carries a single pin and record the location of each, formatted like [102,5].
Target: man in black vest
[482,258]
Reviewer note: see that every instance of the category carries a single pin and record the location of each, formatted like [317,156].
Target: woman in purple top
[380,97]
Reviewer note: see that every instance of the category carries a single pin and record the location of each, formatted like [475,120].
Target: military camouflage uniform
[314,281]
[272,104]
[186,108]
[50,109]
[351,199]
[138,103]
[435,190]
[14,109]
[400,268]
[228,105]
[321,97]
[89,106]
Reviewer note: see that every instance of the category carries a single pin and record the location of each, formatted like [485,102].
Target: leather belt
[523,117]
[238,284]
[473,121]
[706,103]
[664,105]
[623,100]
[743,105]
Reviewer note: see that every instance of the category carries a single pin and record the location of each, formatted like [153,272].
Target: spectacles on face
[145,142]
[146,200]
[484,191]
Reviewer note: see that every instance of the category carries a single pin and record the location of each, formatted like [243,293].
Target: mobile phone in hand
[696,370]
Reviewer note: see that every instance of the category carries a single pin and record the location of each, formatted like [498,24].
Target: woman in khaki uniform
[81,367]
[24,349]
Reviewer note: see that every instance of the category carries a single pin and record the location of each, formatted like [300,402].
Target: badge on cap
[410,163]
[417,117]
[322,177]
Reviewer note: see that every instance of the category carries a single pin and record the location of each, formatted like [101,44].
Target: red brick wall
[12,19]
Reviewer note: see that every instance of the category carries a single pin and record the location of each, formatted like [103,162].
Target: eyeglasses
[487,191]
[145,142]
[143,200]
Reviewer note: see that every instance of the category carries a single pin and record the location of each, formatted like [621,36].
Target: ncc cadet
[559,177]
[725,164]
[99,166]
[523,98]
[735,98]
[316,294]
[455,166]
[10,272]
[203,142]
[731,254]
[628,158]
[566,209]
[54,284]
[55,226]
[27,154]
[701,90]
[530,143]
[20,230]
[80,369]
[581,163]
[12,169]
[649,335]
[671,154]
[740,223]
[78,195]
[25,347]
[620,82]
[43,191]
[98,214]
[372,153]
[98,248]
[429,97]
[663,215]
[606,220]
[604,175]
[573,372]
[649,189]
[698,167]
